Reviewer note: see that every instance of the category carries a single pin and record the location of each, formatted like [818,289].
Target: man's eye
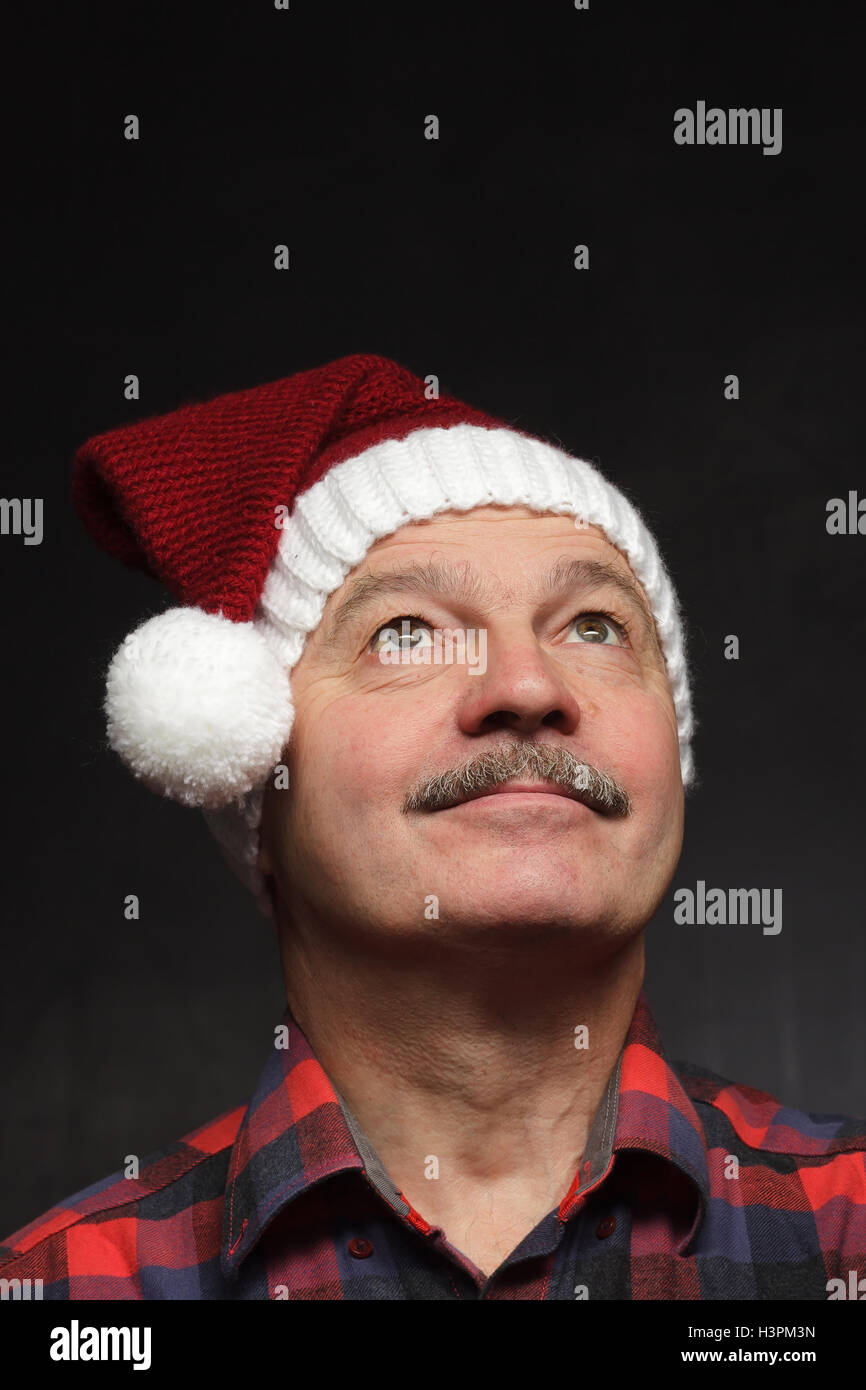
[401,634]
[599,629]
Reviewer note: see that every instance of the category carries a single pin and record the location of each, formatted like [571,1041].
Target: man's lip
[505,788]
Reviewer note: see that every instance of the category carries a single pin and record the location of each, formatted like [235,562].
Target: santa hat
[251,509]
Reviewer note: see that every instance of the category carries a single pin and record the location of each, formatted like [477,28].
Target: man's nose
[520,689]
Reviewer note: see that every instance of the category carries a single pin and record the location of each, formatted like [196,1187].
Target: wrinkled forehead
[492,556]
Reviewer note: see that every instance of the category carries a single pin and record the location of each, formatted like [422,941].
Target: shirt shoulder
[101,1236]
[827,1151]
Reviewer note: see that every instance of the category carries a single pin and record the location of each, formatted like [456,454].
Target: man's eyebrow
[459,582]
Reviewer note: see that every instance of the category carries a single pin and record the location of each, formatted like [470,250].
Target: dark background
[454,257]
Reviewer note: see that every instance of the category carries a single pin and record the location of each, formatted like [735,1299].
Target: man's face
[571,666]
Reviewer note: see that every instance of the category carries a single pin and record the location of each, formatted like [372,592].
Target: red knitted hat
[192,497]
[251,509]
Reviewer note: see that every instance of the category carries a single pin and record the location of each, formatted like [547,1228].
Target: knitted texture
[190,497]
[252,509]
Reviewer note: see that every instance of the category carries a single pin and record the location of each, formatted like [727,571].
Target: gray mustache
[506,761]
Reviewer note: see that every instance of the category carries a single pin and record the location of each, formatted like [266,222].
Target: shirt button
[606,1227]
[360,1248]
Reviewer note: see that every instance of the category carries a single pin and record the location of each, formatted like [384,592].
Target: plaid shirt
[690,1188]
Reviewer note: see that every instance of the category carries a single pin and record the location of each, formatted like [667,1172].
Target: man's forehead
[404,562]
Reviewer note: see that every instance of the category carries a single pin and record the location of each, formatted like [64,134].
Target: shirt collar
[645,1109]
[297,1131]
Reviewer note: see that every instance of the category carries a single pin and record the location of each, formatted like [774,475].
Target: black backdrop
[455,257]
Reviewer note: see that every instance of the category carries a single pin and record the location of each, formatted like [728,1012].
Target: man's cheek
[655,788]
[649,765]
[372,782]
[633,751]
[351,774]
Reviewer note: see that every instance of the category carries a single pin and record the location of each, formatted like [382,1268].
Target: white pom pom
[198,706]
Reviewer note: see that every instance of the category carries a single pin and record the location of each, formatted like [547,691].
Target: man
[428,685]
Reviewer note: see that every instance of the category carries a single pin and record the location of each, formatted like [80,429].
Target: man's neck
[475,1075]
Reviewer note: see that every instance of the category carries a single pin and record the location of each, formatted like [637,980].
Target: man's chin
[515,917]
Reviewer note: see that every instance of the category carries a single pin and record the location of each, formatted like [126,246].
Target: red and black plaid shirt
[691,1187]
